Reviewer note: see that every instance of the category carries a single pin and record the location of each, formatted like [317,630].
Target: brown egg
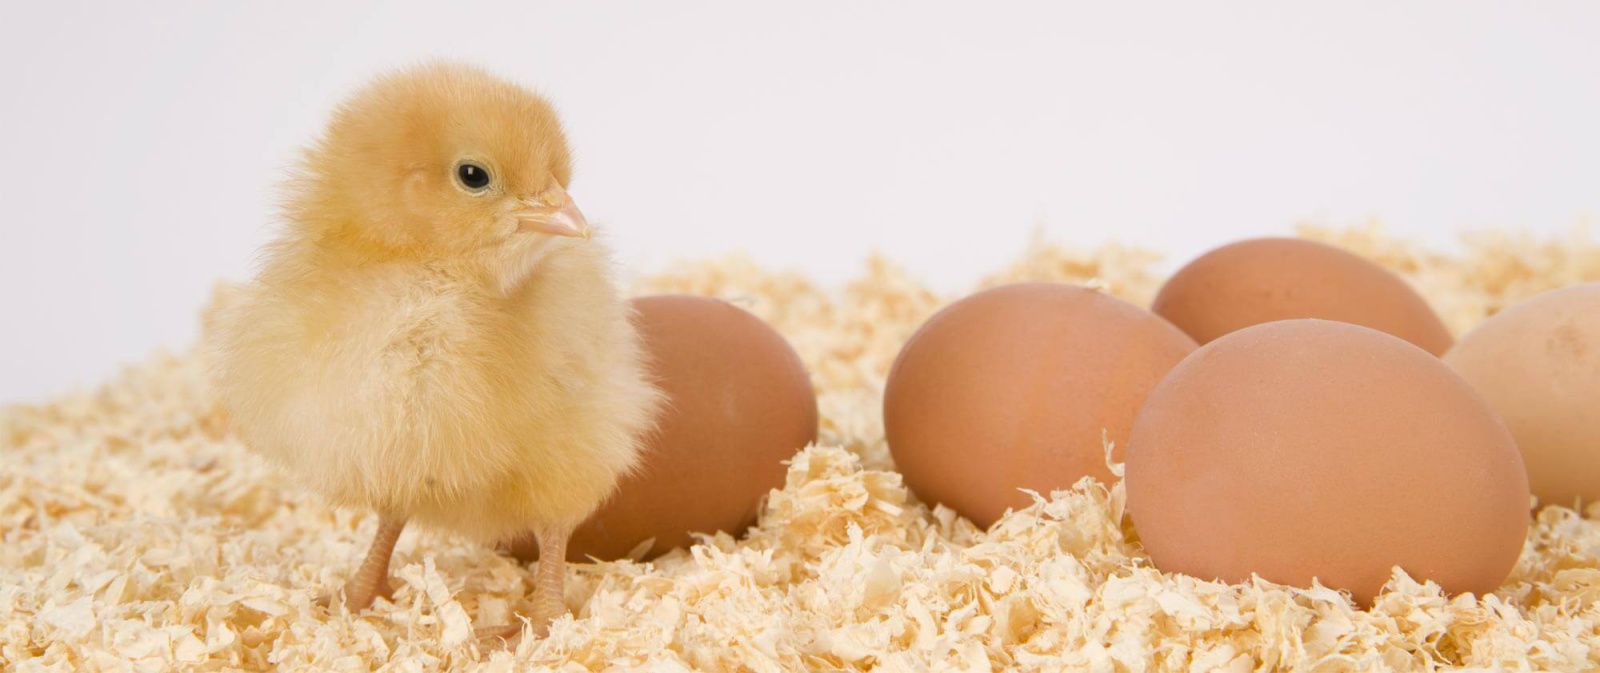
[1011,388]
[1538,364]
[1316,449]
[1266,279]
[740,403]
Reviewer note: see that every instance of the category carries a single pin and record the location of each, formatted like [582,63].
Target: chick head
[440,160]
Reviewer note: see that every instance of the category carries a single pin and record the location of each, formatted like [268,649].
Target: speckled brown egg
[739,404]
[1538,364]
[1266,279]
[1316,449]
[1012,388]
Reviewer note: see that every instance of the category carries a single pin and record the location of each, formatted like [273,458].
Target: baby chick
[434,336]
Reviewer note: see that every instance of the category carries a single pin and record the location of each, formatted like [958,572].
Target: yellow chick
[434,335]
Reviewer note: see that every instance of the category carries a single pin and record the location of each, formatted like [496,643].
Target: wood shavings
[136,534]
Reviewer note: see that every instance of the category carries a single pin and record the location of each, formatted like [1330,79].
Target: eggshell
[1266,279]
[1011,388]
[1315,449]
[1538,364]
[740,403]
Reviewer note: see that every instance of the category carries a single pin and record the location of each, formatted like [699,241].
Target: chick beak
[553,213]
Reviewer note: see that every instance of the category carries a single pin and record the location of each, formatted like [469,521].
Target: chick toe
[505,637]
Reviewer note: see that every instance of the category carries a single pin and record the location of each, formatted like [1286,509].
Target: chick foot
[384,591]
[372,579]
[548,588]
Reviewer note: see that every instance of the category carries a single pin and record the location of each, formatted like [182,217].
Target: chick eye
[472,176]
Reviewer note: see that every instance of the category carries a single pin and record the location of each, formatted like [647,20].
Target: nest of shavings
[136,534]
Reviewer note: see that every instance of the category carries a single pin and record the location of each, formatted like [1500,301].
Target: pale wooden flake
[136,534]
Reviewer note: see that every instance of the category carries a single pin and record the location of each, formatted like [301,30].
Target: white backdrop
[142,140]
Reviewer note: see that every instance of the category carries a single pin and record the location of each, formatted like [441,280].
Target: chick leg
[372,579]
[550,580]
[548,588]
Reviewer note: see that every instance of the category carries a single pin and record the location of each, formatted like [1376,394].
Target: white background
[141,140]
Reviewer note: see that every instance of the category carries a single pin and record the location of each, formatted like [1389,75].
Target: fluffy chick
[434,335]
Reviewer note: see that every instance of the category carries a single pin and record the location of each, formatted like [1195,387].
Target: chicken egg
[1267,279]
[1538,364]
[739,403]
[1014,387]
[1309,449]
